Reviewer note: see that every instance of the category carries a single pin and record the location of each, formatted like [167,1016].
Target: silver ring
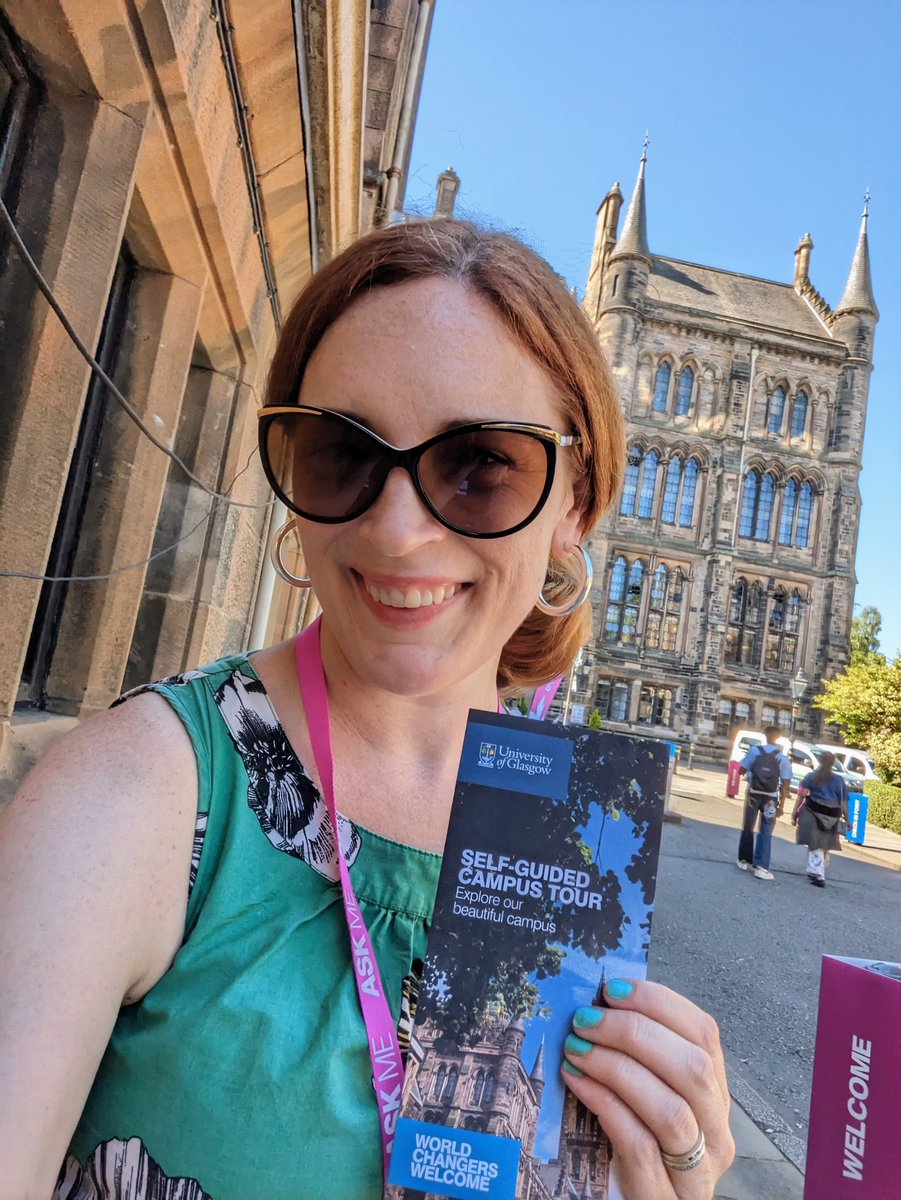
[686,1162]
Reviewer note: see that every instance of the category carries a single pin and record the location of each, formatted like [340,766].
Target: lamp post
[798,687]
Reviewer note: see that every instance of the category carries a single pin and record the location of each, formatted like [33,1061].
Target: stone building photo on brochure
[724,575]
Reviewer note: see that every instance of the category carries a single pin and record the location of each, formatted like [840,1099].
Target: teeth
[414,598]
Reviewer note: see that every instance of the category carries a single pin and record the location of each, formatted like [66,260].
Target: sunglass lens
[486,481]
[326,468]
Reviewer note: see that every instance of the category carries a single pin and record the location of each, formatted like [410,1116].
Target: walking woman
[822,803]
[181,1016]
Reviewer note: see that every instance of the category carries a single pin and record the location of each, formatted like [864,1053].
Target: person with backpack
[821,807]
[769,775]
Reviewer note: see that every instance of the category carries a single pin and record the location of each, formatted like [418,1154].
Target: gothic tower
[725,574]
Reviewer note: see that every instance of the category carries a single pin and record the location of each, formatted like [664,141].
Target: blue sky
[767,120]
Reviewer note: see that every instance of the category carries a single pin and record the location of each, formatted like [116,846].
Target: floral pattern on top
[289,807]
[122,1170]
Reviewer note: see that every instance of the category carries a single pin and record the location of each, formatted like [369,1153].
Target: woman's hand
[651,1069]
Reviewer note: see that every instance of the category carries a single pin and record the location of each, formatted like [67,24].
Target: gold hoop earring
[586,572]
[275,554]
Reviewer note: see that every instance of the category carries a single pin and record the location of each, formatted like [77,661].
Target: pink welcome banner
[854,1147]
[544,698]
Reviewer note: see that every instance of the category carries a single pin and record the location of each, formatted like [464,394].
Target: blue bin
[858,807]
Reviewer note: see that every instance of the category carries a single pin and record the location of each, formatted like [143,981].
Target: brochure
[546,890]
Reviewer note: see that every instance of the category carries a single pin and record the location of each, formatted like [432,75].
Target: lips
[411,597]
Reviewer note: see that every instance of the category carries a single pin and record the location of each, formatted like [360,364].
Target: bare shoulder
[115,801]
[95,855]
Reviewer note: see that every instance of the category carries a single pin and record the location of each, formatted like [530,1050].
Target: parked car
[858,762]
[804,756]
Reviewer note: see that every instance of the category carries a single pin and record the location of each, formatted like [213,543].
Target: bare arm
[94,859]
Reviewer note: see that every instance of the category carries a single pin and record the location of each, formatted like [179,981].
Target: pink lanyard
[381,1032]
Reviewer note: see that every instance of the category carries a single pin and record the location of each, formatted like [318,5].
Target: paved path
[749,951]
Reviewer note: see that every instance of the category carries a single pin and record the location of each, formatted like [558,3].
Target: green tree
[866,701]
[594,720]
[865,629]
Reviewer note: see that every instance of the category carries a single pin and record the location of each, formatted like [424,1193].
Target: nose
[399,523]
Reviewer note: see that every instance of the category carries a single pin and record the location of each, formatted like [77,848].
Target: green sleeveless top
[244,1072]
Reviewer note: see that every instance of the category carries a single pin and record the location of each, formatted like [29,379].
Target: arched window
[765,509]
[787,520]
[777,410]
[689,490]
[743,630]
[782,632]
[732,714]
[664,606]
[648,484]
[611,699]
[488,1094]
[661,388]
[686,388]
[799,415]
[451,1085]
[478,1086]
[624,603]
[671,491]
[630,486]
[749,499]
[805,508]
[440,1076]
[576,1165]
[655,705]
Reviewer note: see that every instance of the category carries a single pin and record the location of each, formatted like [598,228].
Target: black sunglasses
[484,480]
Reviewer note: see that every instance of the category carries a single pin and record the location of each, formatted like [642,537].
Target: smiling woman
[443,428]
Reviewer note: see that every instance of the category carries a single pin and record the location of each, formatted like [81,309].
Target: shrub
[885,805]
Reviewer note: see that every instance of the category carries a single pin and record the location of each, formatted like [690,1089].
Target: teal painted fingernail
[576,1045]
[619,989]
[571,1070]
[587,1018]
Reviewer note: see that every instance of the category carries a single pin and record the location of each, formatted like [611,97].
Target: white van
[858,762]
[804,757]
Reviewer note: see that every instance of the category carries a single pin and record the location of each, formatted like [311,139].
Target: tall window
[655,705]
[630,486]
[686,388]
[648,484]
[799,415]
[732,714]
[612,700]
[745,617]
[671,491]
[440,1077]
[797,509]
[805,508]
[771,715]
[777,410]
[478,1086]
[782,631]
[757,502]
[787,520]
[679,492]
[664,606]
[624,603]
[689,490]
[450,1086]
[488,1094]
[660,402]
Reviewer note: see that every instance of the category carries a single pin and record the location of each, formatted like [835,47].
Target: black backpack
[764,775]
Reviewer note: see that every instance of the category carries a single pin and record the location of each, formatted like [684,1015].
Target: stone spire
[858,293]
[537,1075]
[802,259]
[634,237]
[448,187]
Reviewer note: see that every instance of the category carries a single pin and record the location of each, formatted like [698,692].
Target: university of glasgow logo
[487,754]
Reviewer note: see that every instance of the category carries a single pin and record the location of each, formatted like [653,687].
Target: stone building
[177,170]
[727,566]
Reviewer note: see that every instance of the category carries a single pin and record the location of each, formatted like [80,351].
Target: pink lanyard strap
[381,1032]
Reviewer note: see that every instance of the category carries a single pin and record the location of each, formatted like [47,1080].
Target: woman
[821,804]
[169,869]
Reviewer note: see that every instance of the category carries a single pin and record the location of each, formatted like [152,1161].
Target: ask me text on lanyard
[381,1032]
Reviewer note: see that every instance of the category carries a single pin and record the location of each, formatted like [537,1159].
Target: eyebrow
[452,424]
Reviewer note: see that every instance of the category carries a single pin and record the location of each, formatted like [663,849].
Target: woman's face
[408,361]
